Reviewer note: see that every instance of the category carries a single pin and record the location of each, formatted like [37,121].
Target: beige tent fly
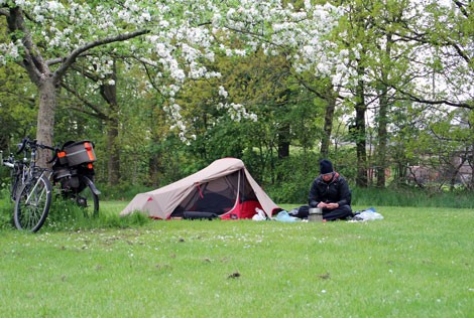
[225,189]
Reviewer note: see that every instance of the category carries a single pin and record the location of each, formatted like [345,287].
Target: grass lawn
[417,262]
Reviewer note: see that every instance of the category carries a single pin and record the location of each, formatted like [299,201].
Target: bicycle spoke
[32,205]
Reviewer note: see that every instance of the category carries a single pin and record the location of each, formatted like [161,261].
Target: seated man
[330,192]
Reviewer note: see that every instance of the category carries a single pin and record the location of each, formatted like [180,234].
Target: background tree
[370,84]
[27,27]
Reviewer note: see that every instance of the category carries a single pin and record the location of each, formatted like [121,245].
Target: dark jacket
[335,191]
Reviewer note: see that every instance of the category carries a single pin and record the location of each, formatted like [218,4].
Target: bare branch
[85,73]
[69,60]
[414,98]
[462,7]
[146,65]
[461,52]
[98,112]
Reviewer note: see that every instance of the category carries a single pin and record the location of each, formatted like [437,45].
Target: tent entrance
[226,197]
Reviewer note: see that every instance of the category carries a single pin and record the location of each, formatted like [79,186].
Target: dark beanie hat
[325,167]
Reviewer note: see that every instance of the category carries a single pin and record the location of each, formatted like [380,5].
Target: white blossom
[223,92]
[177,45]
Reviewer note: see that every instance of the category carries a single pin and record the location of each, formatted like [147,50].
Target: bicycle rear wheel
[86,198]
[32,205]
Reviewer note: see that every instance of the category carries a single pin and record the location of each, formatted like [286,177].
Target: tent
[224,189]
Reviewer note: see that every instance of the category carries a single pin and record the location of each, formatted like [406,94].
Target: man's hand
[323,205]
[329,205]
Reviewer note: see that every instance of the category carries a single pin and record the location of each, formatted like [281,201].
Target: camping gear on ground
[366,215]
[199,215]
[306,213]
[224,188]
[284,216]
[315,214]
[259,215]
[301,212]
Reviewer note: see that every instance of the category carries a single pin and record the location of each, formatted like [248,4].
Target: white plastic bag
[369,214]
[283,216]
[259,215]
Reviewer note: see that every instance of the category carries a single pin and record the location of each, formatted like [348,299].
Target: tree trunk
[383,121]
[154,164]
[113,148]
[328,120]
[40,74]
[45,122]
[360,108]
[109,93]
[382,138]
[284,141]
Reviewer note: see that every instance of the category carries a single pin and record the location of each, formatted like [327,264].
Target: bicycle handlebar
[34,144]
[6,162]
[22,145]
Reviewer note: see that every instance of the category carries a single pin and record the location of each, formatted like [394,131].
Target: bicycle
[72,170]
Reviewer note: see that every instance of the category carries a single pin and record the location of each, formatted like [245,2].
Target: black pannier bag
[73,160]
[79,153]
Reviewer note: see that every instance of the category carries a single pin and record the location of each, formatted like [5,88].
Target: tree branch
[86,74]
[69,60]
[33,61]
[461,52]
[414,98]
[145,65]
[97,111]
[461,7]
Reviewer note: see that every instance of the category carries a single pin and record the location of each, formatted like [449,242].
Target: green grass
[417,262]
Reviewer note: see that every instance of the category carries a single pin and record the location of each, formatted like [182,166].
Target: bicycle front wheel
[32,204]
[16,181]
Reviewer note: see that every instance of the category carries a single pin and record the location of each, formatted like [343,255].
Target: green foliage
[65,215]
[123,191]
[295,175]
[290,105]
[225,139]
[411,197]
[17,106]
[6,209]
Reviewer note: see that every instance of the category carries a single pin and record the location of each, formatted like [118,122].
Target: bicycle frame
[33,190]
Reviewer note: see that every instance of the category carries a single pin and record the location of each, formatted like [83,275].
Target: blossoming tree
[47,37]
